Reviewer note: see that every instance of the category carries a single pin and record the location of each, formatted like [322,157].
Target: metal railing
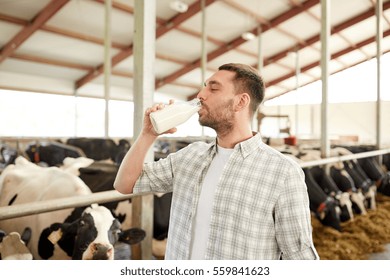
[37,207]
[344,158]
[14,211]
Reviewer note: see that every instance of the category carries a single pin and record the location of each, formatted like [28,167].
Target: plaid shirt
[261,205]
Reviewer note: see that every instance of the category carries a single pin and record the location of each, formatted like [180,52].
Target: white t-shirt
[202,217]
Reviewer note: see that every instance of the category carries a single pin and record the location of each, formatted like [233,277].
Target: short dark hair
[247,79]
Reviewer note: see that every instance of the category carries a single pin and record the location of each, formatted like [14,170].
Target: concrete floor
[385,255]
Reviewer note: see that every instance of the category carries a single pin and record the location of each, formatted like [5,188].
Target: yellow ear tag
[55,236]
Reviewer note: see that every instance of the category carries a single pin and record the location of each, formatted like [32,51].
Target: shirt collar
[245,147]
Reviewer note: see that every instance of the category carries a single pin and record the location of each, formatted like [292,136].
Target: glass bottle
[174,114]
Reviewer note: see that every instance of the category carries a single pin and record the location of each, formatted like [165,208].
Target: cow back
[26,182]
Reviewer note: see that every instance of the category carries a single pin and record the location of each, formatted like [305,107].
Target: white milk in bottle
[173,115]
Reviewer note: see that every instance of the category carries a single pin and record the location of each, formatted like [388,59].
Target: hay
[359,238]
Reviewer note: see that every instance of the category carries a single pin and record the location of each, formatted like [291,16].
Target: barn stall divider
[14,211]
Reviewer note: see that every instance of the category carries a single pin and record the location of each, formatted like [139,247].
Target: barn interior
[77,75]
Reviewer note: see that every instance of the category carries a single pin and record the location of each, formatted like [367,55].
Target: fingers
[171,131]
[147,122]
[154,108]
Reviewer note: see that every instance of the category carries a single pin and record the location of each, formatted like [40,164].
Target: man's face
[217,102]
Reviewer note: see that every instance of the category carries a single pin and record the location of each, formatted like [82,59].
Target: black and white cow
[78,233]
[343,180]
[8,154]
[386,162]
[51,153]
[90,237]
[322,205]
[378,173]
[379,176]
[328,185]
[100,176]
[363,184]
[101,148]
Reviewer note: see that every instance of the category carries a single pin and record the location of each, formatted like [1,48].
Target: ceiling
[57,46]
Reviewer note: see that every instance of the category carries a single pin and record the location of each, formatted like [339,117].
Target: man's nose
[200,94]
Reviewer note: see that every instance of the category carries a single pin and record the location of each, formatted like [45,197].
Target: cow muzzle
[99,251]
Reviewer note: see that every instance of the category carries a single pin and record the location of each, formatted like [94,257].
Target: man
[235,198]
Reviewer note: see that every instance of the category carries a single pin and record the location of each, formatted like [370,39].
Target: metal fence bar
[14,211]
[37,207]
[344,158]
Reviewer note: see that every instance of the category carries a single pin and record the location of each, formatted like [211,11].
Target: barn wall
[345,119]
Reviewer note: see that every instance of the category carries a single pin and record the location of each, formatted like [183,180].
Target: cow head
[384,185]
[91,237]
[328,213]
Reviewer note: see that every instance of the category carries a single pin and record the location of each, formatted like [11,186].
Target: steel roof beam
[316,38]
[237,42]
[160,31]
[333,56]
[51,9]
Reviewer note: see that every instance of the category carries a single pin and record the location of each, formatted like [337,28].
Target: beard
[221,118]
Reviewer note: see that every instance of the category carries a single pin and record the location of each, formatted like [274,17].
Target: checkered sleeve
[155,177]
[292,218]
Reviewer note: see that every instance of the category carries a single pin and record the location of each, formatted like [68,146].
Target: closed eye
[213,86]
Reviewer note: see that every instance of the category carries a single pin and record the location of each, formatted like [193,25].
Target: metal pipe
[344,158]
[325,58]
[297,73]
[143,92]
[260,67]
[204,49]
[37,207]
[260,56]
[379,36]
[107,64]
[204,42]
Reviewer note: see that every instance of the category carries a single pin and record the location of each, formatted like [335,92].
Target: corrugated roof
[58,46]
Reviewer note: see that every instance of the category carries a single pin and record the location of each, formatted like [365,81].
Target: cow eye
[82,223]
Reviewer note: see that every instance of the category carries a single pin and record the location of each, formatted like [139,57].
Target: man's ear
[243,100]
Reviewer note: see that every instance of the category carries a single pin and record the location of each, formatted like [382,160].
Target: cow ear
[132,236]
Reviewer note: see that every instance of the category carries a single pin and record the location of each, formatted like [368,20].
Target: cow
[346,184]
[13,245]
[99,176]
[343,180]
[386,162]
[362,182]
[322,205]
[101,148]
[378,173]
[79,233]
[51,153]
[328,185]
[8,155]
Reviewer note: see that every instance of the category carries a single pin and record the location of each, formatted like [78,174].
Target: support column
[107,64]
[144,60]
[325,58]
[260,56]
[260,66]
[297,73]
[379,36]
[204,49]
